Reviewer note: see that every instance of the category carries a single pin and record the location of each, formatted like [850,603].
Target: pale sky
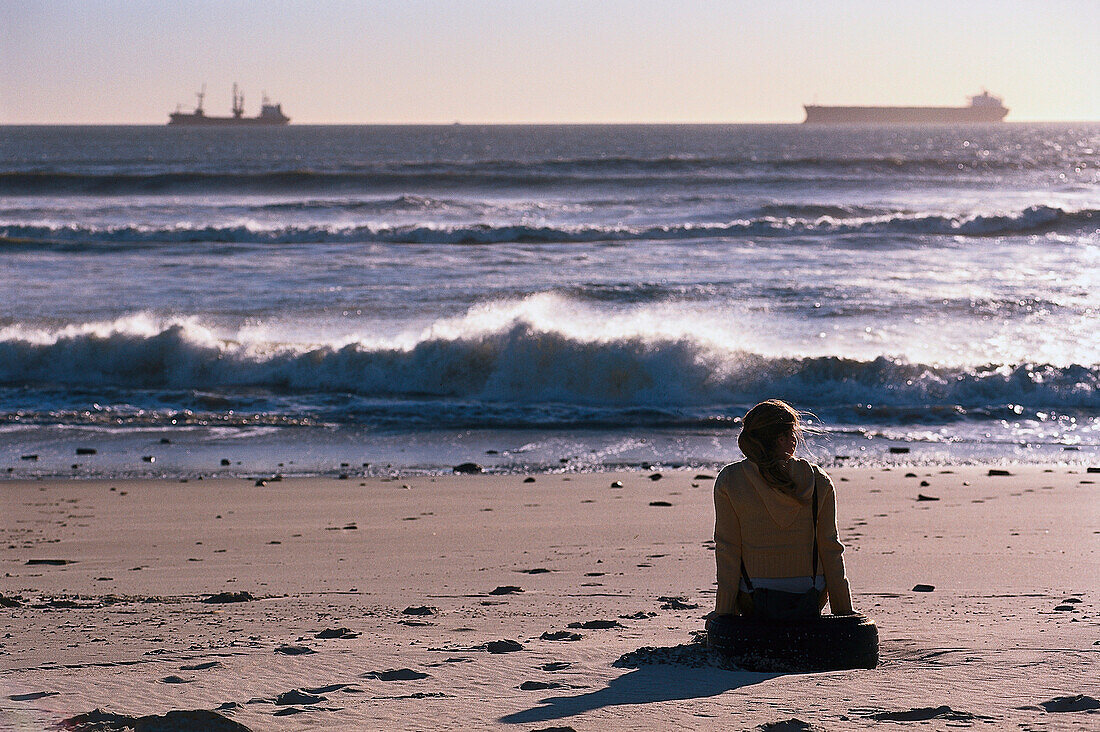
[403,61]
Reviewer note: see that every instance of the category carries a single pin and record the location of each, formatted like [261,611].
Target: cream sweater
[772,532]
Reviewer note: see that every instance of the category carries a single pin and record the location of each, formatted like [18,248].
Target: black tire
[828,643]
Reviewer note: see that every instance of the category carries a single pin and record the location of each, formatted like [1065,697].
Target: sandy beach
[414,581]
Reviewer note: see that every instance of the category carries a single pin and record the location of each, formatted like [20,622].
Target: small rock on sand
[676,603]
[528,479]
[597,624]
[503,646]
[787,725]
[52,562]
[1075,703]
[920,714]
[898,450]
[175,680]
[98,720]
[335,633]
[225,462]
[86,451]
[396,674]
[419,610]
[655,476]
[467,468]
[560,635]
[540,685]
[297,696]
[506,590]
[998,472]
[922,497]
[616,484]
[223,597]
[703,476]
[289,650]
[555,666]
[923,588]
[660,503]
[33,696]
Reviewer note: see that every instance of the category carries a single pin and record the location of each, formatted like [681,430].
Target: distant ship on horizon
[270,114]
[983,108]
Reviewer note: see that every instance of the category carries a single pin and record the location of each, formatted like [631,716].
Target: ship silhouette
[983,108]
[270,114]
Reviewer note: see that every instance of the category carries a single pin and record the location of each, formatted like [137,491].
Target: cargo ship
[983,108]
[270,114]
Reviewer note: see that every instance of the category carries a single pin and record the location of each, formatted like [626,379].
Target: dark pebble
[506,590]
[923,588]
[467,468]
[528,479]
[597,624]
[560,635]
[418,610]
[659,503]
[997,471]
[85,451]
[335,633]
[295,696]
[223,597]
[922,497]
[503,646]
[656,476]
[898,450]
[396,674]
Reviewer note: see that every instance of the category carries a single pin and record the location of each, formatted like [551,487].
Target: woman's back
[766,531]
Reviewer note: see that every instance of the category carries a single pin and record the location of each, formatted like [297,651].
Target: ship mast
[200,95]
[238,101]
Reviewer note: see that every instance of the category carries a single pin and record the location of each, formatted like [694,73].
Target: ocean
[383,299]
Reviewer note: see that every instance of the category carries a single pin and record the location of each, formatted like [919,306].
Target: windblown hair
[761,429]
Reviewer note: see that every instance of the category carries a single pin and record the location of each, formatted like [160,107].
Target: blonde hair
[761,429]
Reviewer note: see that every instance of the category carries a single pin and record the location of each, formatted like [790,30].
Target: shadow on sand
[647,684]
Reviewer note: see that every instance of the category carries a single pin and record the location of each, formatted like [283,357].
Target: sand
[422,603]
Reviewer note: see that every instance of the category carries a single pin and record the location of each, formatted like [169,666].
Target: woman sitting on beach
[767,521]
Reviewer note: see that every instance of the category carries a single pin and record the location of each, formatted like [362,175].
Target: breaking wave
[1031,220]
[516,362]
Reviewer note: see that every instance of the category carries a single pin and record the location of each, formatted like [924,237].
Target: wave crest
[1031,220]
[517,362]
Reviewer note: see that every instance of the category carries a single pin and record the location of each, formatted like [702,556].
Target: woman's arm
[830,549]
[727,547]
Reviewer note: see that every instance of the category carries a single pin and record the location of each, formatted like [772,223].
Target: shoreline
[111,578]
[200,454]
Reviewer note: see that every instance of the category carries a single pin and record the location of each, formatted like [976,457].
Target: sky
[516,61]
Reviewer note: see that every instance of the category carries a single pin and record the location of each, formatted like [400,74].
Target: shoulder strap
[813,549]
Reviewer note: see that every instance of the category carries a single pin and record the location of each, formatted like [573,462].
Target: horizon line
[461,123]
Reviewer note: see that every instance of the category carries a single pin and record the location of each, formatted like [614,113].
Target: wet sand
[383,604]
